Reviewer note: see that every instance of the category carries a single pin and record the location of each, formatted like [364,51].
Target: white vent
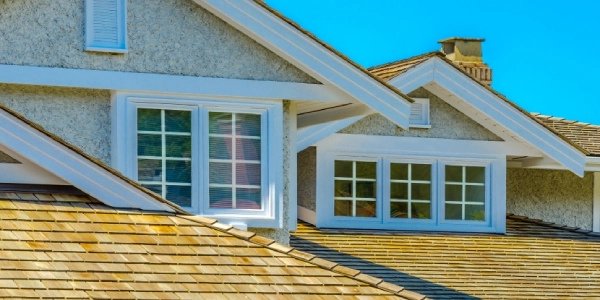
[106,26]
[419,113]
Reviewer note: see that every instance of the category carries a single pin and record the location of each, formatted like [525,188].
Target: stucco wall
[307,178]
[165,36]
[551,195]
[6,159]
[446,122]
[79,116]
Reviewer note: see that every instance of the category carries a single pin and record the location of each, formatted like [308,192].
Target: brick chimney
[466,53]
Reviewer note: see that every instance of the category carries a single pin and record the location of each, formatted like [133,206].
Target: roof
[585,135]
[62,246]
[461,39]
[534,260]
[396,68]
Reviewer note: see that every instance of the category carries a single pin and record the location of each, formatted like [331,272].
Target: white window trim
[426,122]
[121,26]
[378,187]
[124,148]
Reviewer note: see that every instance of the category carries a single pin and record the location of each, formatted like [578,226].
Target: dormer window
[419,113]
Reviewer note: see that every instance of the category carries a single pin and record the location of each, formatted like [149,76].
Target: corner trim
[596,197]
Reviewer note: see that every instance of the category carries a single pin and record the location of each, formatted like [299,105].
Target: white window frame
[124,149]
[121,27]
[426,122]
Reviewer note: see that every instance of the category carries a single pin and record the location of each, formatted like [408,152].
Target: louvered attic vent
[419,113]
[106,26]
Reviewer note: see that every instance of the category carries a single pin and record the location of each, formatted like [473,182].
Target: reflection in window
[164,139]
[465,193]
[410,191]
[355,189]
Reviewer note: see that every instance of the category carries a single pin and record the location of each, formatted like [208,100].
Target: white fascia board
[311,135]
[72,167]
[159,83]
[309,56]
[512,119]
[414,78]
[333,114]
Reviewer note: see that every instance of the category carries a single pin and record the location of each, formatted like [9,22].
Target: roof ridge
[553,225]
[306,257]
[431,53]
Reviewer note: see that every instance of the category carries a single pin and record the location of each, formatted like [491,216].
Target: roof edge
[553,225]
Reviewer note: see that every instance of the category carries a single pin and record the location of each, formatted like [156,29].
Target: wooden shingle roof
[74,247]
[534,260]
[584,134]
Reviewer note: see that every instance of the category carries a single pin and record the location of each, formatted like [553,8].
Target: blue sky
[544,54]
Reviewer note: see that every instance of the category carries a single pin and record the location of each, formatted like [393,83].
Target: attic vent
[106,26]
[419,113]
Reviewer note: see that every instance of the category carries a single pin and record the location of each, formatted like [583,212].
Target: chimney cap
[452,39]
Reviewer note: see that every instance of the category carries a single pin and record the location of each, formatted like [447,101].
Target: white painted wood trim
[26,172]
[310,135]
[91,44]
[158,83]
[293,170]
[72,167]
[414,78]
[333,114]
[307,215]
[309,56]
[596,209]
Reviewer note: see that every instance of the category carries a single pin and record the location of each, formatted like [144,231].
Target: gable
[175,37]
[446,122]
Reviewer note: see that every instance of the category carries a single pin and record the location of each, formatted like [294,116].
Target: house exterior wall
[551,195]
[175,37]
[446,122]
[307,178]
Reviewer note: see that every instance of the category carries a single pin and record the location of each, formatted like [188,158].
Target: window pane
[247,149]
[343,188]
[343,168]
[248,198]
[219,148]
[399,190]
[366,208]
[475,174]
[219,123]
[150,170]
[179,146]
[180,195]
[247,174]
[178,121]
[421,210]
[220,173]
[454,192]
[155,188]
[366,169]
[454,173]
[365,189]
[220,197]
[150,145]
[475,212]
[399,171]
[453,211]
[475,193]
[247,124]
[179,171]
[421,191]
[421,172]
[398,210]
[149,119]
[343,208]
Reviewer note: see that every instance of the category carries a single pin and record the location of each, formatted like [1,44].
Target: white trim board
[71,167]
[596,209]
[310,135]
[159,83]
[309,56]
[307,215]
[26,172]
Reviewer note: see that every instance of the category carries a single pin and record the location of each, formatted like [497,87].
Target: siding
[307,178]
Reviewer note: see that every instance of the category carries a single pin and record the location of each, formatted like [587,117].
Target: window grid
[464,185]
[354,198]
[409,182]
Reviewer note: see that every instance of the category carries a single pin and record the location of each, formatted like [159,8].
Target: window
[106,26]
[410,191]
[355,189]
[419,113]
[465,193]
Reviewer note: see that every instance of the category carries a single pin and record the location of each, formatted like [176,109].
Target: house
[166,149]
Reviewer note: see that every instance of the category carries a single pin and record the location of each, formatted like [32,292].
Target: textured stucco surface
[551,195]
[165,36]
[79,116]
[307,178]
[282,235]
[446,122]
[6,159]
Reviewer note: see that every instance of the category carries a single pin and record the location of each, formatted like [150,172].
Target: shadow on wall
[415,284]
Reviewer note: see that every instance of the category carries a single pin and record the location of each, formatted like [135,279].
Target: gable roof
[534,260]
[61,246]
[586,135]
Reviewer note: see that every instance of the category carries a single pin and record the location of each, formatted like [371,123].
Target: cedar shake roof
[585,135]
[61,246]
[534,260]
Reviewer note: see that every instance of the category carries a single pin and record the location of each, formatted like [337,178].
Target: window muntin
[355,188]
[410,191]
[164,153]
[235,161]
[465,192]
